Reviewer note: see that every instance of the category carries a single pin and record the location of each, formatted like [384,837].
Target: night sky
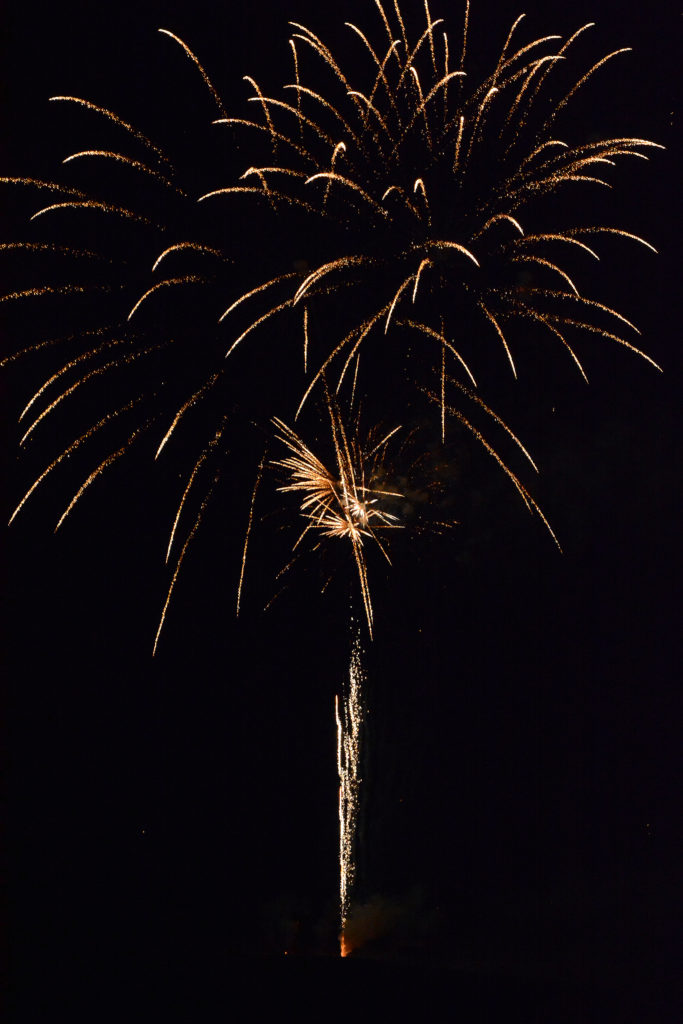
[521,818]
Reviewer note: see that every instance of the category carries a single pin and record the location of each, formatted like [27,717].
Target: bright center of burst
[359,512]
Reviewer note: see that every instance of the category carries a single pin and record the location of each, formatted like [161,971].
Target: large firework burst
[399,209]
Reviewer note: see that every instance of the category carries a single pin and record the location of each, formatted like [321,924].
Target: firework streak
[349,724]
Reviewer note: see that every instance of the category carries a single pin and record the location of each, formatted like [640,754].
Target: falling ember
[349,724]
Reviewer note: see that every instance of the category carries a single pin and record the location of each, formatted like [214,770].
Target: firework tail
[349,713]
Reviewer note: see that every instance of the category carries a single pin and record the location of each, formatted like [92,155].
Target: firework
[424,196]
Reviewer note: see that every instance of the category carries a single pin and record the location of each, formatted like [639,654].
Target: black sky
[522,815]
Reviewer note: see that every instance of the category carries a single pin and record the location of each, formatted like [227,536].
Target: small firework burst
[346,504]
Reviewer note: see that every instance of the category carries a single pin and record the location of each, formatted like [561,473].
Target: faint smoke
[370,921]
[396,923]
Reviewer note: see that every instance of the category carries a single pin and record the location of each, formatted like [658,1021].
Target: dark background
[522,815]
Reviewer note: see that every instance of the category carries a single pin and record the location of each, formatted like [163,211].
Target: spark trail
[349,717]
